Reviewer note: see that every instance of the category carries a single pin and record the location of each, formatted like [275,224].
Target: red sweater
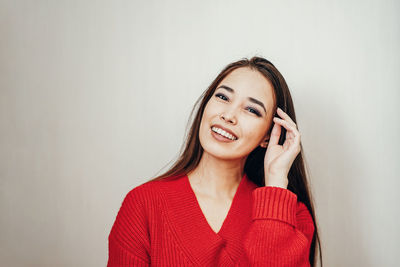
[160,223]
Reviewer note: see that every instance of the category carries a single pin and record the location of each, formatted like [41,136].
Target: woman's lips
[221,138]
[225,129]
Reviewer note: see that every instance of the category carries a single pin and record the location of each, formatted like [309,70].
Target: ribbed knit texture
[160,223]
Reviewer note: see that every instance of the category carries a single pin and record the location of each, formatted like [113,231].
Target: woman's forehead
[249,83]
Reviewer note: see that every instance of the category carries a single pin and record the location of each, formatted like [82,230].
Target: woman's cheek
[255,135]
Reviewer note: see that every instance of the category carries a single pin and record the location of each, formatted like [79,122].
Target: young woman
[237,195]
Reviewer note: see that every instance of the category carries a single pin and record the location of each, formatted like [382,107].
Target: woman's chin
[223,154]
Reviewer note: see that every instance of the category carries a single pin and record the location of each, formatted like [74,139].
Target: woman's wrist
[277,181]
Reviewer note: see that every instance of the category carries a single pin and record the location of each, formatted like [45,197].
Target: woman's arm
[128,242]
[281,232]
[282,229]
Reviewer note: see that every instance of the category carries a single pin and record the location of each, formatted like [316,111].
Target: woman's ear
[265,141]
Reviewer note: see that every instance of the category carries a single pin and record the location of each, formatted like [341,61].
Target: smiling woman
[238,104]
[238,194]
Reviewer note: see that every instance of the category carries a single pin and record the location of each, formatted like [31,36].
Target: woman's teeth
[223,133]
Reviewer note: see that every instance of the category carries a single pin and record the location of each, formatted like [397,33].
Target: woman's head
[230,103]
[271,86]
[241,108]
[257,78]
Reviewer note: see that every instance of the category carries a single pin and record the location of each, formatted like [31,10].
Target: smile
[223,133]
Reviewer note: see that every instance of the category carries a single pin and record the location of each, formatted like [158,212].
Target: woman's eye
[252,110]
[223,97]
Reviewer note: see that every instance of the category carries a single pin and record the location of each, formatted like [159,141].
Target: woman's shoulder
[148,191]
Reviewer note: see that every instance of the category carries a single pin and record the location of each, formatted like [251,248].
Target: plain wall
[95,96]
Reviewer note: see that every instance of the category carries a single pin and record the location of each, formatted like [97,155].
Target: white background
[95,96]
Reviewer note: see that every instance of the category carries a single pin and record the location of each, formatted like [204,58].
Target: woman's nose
[229,117]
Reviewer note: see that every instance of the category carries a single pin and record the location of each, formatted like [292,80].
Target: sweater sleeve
[281,231]
[128,241]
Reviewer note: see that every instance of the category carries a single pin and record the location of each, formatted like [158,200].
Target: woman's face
[242,106]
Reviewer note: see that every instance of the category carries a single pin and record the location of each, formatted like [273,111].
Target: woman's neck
[217,178]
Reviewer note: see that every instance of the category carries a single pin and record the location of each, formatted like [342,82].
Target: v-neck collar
[192,229]
[230,211]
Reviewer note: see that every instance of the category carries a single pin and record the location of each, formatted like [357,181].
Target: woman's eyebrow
[251,99]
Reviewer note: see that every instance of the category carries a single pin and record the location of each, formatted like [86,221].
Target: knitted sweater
[160,223]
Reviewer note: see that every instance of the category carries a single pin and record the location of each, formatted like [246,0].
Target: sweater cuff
[274,203]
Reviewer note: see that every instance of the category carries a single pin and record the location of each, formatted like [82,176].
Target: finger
[275,134]
[289,133]
[292,146]
[286,124]
[291,129]
[292,132]
[286,117]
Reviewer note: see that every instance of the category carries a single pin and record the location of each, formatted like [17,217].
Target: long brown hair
[192,150]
